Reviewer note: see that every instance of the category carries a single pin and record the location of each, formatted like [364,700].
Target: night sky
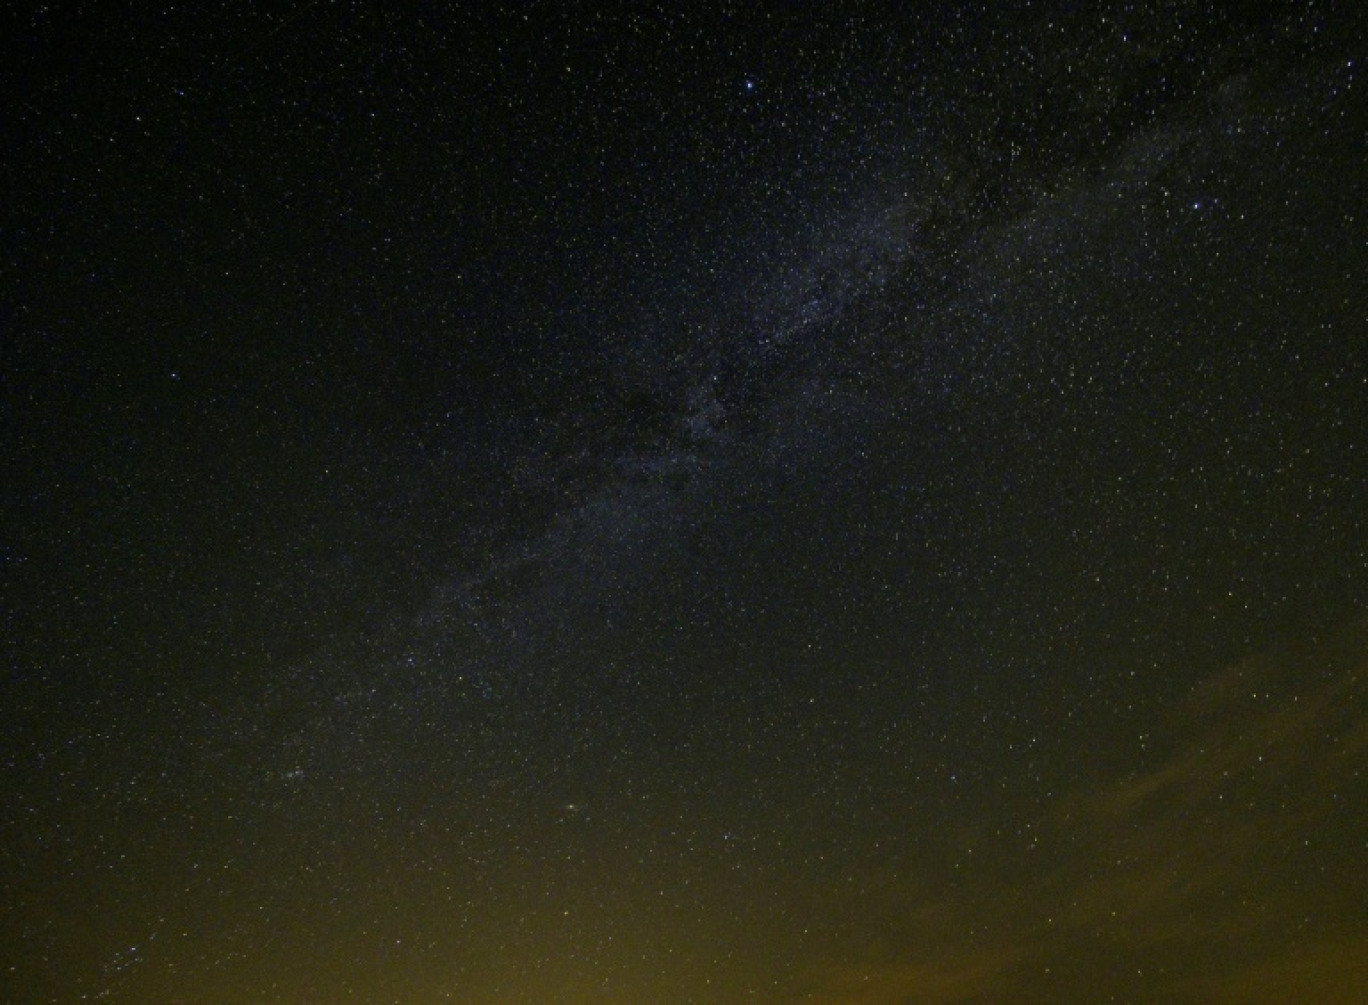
[580,503]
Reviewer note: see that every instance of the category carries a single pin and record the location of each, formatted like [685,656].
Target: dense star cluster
[579,502]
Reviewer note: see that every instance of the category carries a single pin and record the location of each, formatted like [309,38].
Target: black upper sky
[617,503]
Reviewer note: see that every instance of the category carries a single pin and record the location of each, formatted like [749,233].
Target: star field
[593,503]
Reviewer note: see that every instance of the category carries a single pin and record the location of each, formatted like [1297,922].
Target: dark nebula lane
[568,503]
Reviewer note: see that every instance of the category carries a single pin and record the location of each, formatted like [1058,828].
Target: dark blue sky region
[592,503]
